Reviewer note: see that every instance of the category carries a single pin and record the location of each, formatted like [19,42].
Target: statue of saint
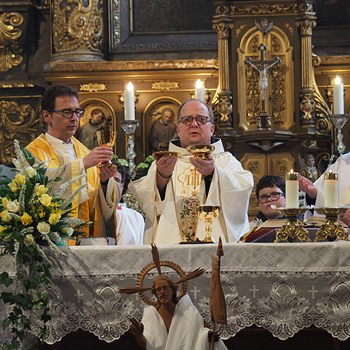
[162,131]
[310,171]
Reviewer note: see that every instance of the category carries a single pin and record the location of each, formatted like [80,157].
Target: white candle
[331,190]
[129,102]
[200,91]
[292,190]
[338,96]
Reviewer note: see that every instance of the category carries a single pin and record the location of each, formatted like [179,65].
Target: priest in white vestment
[67,158]
[177,184]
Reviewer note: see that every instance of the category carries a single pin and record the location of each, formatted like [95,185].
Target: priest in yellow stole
[67,158]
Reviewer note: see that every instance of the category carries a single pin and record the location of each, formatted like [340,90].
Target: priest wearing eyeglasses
[178,183]
[67,158]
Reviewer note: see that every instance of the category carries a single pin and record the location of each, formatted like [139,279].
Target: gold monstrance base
[294,228]
[105,137]
[332,229]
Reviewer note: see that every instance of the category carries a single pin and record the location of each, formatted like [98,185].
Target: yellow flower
[40,190]
[19,180]
[14,188]
[41,212]
[2,228]
[26,219]
[4,202]
[43,228]
[53,219]
[5,216]
[45,200]
[28,240]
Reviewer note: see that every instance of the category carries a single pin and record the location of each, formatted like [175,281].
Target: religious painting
[98,115]
[160,121]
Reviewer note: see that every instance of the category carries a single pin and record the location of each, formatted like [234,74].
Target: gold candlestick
[332,229]
[294,228]
[208,214]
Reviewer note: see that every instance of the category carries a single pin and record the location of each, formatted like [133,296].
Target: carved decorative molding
[335,60]
[116,21]
[10,51]
[77,25]
[165,85]
[15,84]
[133,65]
[16,122]
[307,105]
[93,87]
[264,9]
[223,29]
[306,27]
[239,29]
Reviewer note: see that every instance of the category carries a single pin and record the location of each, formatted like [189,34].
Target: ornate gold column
[77,30]
[224,105]
[306,21]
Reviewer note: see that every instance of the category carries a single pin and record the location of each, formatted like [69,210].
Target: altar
[282,288]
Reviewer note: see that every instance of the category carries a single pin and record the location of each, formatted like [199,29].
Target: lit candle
[331,190]
[292,190]
[129,108]
[338,96]
[200,91]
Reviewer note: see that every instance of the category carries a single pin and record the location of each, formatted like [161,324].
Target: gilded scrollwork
[223,29]
[278,94]
[306,27]
[307,105]
[116,21]
[10,51]
[276,44]
[77,25]
[239,29]
[264,9]
[253,94]
[254,43]
[16,122]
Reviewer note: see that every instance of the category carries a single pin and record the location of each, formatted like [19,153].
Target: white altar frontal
[282,288]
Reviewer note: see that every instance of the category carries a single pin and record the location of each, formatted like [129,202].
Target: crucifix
[262,66]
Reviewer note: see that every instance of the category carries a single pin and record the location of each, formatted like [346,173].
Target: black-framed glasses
[274,196]
[68,113]
[200,120]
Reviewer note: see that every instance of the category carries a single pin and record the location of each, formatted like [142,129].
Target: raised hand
[98,155]
[204,166]
[136,329]
[166,165]
[307,186]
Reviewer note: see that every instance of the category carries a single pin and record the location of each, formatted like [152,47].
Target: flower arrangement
[32,216]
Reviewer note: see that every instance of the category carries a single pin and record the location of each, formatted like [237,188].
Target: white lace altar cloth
[280,287]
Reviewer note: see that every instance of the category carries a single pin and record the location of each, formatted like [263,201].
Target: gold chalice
[208,213]
[106,137]
[200,151]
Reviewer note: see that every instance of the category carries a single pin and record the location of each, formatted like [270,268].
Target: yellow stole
[42,150]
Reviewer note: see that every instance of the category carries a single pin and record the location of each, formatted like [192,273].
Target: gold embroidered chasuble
[87,204]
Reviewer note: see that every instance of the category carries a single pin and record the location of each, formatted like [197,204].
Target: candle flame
[291,171]
[129,86]
[199,84]
[337,80]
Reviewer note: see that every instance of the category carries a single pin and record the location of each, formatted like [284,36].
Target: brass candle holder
[200,151]
[332,229]
[294,228]
[208,213]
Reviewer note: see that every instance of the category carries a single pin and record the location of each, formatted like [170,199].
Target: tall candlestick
[292,190]
[129,102]
[200,91]
[331,190]
[338,96]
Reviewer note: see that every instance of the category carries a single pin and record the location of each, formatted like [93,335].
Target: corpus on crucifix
[262,66]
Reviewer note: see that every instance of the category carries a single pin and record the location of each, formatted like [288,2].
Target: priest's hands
[345,217]
[166,165]
[107,172]
[307,186]
[204,166]
[97,155]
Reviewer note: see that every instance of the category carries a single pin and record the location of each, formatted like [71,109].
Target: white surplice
[186,332]
[230,189]
[342,167]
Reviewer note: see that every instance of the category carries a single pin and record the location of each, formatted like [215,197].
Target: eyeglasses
[274,196]
[68,113]
[200,120]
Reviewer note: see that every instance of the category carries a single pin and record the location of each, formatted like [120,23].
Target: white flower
[12,206]
[43,228]
[68,230]
[31,172]
[28,240]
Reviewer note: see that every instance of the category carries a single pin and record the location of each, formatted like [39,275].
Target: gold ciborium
[332,229]
[294,228]
[106,137]
[200,151]
[208,213]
